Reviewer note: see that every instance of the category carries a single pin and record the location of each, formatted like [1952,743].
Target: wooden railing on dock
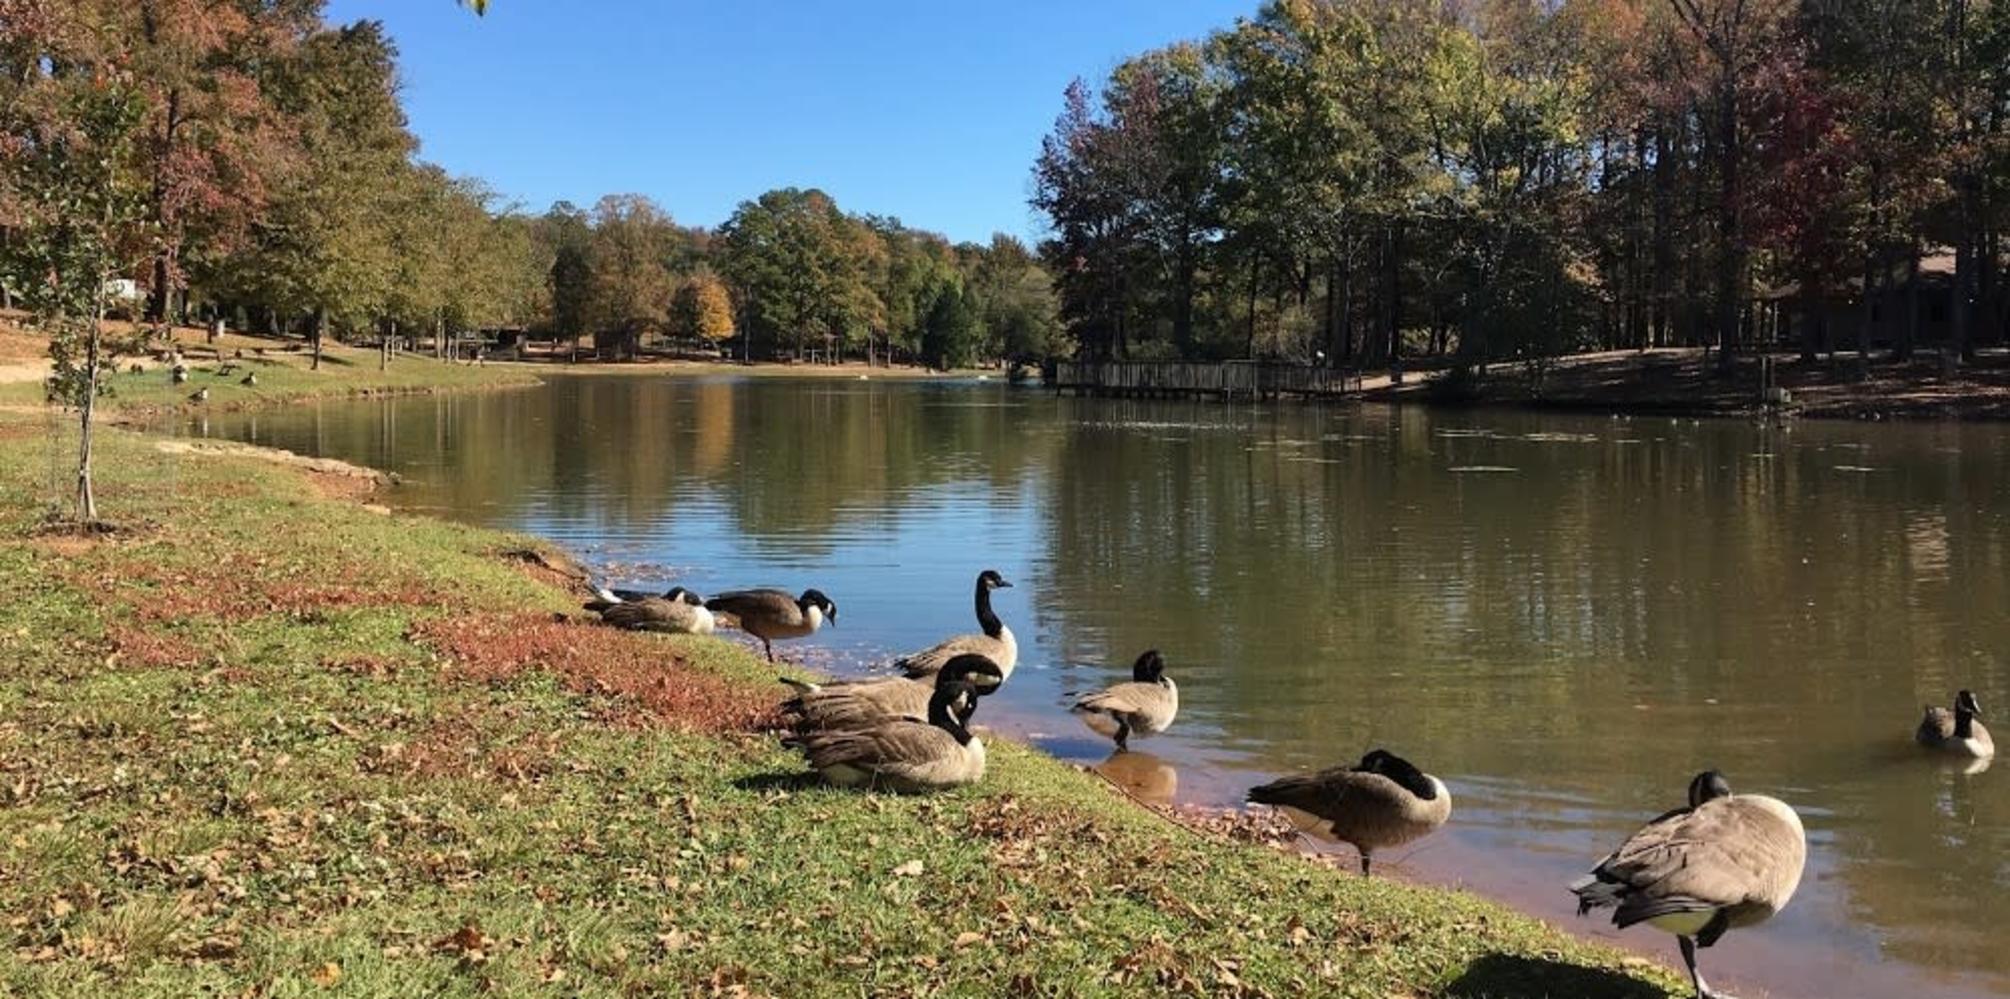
[1228,379]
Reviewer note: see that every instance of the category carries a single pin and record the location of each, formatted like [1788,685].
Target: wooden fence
[1227,379]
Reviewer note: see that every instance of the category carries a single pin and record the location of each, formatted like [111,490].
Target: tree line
[247,160]
[1361,180]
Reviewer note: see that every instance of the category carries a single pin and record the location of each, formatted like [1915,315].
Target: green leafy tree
[949,337]
[631,281]
[78,220]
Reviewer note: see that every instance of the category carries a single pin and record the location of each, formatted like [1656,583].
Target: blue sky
[926,110]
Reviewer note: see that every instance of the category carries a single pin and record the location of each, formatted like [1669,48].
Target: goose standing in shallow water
[772,615]
[1383,801]
[1957,731]
[994,643]
[905,754]
[1726,861]
[861,703]
[1145,706]
[679,612]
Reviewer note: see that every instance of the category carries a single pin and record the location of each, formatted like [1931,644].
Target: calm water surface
[1564,617]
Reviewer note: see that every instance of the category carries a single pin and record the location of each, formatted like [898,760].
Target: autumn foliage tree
[702,310]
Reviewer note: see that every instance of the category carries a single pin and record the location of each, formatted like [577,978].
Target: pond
[1565,617]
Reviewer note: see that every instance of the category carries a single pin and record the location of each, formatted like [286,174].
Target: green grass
[228,764]
[285,378]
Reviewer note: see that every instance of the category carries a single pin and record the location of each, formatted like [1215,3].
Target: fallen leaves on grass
[644,678]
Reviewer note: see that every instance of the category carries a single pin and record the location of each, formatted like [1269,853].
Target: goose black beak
[1004,584]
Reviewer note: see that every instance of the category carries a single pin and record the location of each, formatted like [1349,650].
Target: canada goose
[679,612]
[1145,706]
[1726,861]
[1383,801]
[771,614]
[995,642]
[200,395]
[861,703]
[250,378]
[178,374]
[1957,731]
[905,754]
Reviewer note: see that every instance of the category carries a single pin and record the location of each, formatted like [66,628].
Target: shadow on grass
[1502,976]
[793,780]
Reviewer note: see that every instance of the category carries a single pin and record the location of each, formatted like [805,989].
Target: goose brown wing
[1125,699]
[896,747]
[1334,794]
[1721,854]
[773,605]
[856,705]
[923,665]
[640,615]
[1937,726]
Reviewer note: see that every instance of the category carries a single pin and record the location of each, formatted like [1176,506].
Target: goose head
[1708,786]
[1151,668]
[989,579]
[977,672]
[1965,703]
[950,708]
[1400,770]
[679,594]
[824,605]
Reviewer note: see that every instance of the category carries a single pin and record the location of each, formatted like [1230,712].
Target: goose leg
[1695,976]
[1123,736]
[769,648]
[1366,856]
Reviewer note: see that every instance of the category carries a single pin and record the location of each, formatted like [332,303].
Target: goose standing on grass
[1144,706]
[860,703]
[1957,731]
[1383,801]
[1726,861]
[905,754]
[995,642]
[678,612]
[772,615]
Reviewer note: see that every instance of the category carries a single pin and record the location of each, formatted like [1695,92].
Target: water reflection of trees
[1620,611]
[790,461]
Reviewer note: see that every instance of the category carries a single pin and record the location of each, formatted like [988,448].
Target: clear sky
[929,111]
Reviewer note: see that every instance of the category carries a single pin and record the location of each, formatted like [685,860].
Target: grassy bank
[267,741]
[1683,382]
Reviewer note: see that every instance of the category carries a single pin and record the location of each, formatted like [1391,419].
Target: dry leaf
[967,938]
[911,869]
[327,975]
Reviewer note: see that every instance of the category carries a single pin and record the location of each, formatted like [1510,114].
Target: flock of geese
[1721,862]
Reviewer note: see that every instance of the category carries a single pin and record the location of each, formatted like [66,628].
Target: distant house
[1919,304]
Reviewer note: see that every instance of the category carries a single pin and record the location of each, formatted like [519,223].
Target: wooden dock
[1222,379]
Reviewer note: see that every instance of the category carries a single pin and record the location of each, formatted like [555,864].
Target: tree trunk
[1255,277]
[320,329]
[1732,258]
[87,499]
[1183,299]
[1663,252]
[1909,336]
[1395,304]
[164,255]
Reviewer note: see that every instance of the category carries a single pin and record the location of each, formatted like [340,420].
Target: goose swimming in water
[772,615]
[1957,731]
[1726,861]
[994,642]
